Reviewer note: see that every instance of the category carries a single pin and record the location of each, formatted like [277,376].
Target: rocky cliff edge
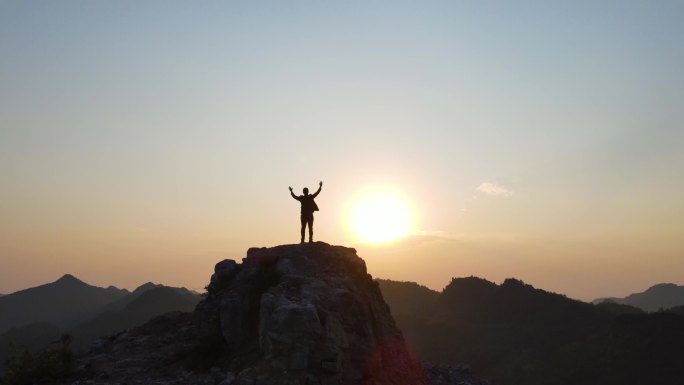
[306,313]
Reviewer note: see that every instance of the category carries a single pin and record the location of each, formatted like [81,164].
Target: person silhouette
[308,208]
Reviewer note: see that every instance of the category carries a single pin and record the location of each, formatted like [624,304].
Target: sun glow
[379,216]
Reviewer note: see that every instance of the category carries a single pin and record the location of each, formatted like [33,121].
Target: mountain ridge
[660,296]
[62,302]
[33,324]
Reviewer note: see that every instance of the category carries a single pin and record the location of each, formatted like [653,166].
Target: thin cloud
[494,189]
[418,237]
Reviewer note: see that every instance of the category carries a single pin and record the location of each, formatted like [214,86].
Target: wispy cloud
[420,237]
[494,189]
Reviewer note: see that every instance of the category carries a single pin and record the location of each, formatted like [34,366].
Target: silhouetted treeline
[515,334]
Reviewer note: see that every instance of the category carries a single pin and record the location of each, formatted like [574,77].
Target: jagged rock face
[305,314]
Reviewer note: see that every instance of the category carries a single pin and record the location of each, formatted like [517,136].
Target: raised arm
[291,193]
[320,186]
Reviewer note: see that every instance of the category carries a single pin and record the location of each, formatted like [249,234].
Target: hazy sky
[146,140]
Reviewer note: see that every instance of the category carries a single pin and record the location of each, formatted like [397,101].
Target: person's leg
[310,220]
[302,218]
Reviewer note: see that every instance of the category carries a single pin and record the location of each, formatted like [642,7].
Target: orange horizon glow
[148,143]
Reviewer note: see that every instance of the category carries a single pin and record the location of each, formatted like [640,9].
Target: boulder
[223,271]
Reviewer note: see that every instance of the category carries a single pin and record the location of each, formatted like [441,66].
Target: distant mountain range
[34,317]
[64,303]
[517,334]
[131,312]
[661,296]
[513,332]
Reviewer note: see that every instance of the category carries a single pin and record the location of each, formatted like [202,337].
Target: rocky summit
[292,314]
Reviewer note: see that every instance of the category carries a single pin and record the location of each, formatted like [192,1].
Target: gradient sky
[146,140]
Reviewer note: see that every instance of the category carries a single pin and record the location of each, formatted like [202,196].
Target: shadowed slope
[144,306]
[518,334]
[31,337]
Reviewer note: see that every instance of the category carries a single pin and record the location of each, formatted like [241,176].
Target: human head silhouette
[306,191]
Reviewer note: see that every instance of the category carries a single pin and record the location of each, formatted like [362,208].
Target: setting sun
[379,216]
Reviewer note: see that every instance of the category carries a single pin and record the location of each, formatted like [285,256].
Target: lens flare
[380,217]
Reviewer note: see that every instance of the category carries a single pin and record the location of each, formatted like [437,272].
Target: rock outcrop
[293,314]
[306,314]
